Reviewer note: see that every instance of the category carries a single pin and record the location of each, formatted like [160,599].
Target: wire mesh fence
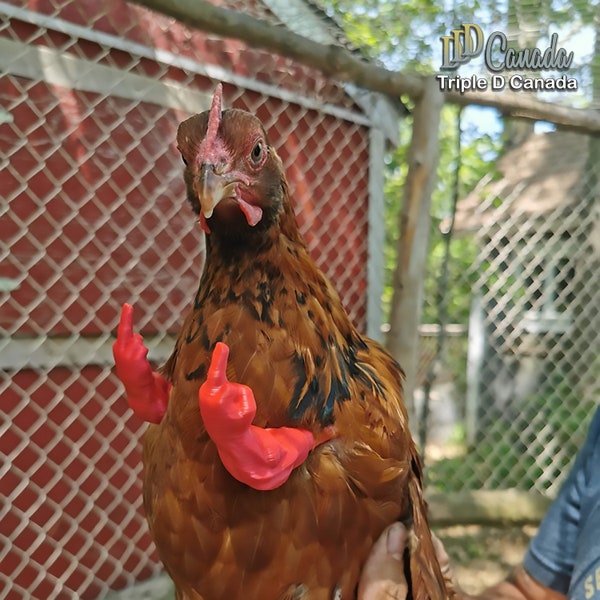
[516,395]
[94,214]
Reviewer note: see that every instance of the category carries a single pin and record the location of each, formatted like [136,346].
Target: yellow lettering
[589,587]
[591,584]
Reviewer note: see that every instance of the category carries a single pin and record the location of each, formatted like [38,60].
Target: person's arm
[383,574]
[519,586]
[552,555]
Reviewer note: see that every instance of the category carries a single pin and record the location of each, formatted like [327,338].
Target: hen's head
[235,180]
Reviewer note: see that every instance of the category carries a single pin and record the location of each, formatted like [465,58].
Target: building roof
[539,176]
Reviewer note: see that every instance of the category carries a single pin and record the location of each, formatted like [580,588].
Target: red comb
[214,117]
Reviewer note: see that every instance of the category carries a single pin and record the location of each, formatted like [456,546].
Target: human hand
[383,574]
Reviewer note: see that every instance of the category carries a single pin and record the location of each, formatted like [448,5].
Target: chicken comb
[207,147]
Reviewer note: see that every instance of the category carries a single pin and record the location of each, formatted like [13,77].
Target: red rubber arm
[147,392]
[262,458]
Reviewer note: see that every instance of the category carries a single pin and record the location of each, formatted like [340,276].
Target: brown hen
[291,343]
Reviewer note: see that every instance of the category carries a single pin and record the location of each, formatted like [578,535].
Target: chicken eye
[184,161]
[257,152]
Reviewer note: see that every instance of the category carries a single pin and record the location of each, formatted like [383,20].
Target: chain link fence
[93,214]
[512,397]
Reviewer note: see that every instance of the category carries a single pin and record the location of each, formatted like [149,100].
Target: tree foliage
[406,36]
[477,158]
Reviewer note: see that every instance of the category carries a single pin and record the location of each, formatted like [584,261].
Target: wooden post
[403,338]
[376,240]
[342,65]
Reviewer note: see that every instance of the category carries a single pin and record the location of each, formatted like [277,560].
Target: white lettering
[542,84]
[461,84]
[498,82]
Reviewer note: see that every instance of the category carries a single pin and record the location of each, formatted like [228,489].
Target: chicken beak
[211,188]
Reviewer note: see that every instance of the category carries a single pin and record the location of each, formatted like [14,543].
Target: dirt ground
[482,556]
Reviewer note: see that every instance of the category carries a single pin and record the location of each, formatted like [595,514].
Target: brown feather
[292,342]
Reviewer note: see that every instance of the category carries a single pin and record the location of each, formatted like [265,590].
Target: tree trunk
[414,225]
[342,65]
[523,31]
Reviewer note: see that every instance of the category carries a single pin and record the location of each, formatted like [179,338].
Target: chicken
[280,448]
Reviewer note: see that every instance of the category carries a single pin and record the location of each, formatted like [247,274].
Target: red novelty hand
[147,392]
[262,458]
